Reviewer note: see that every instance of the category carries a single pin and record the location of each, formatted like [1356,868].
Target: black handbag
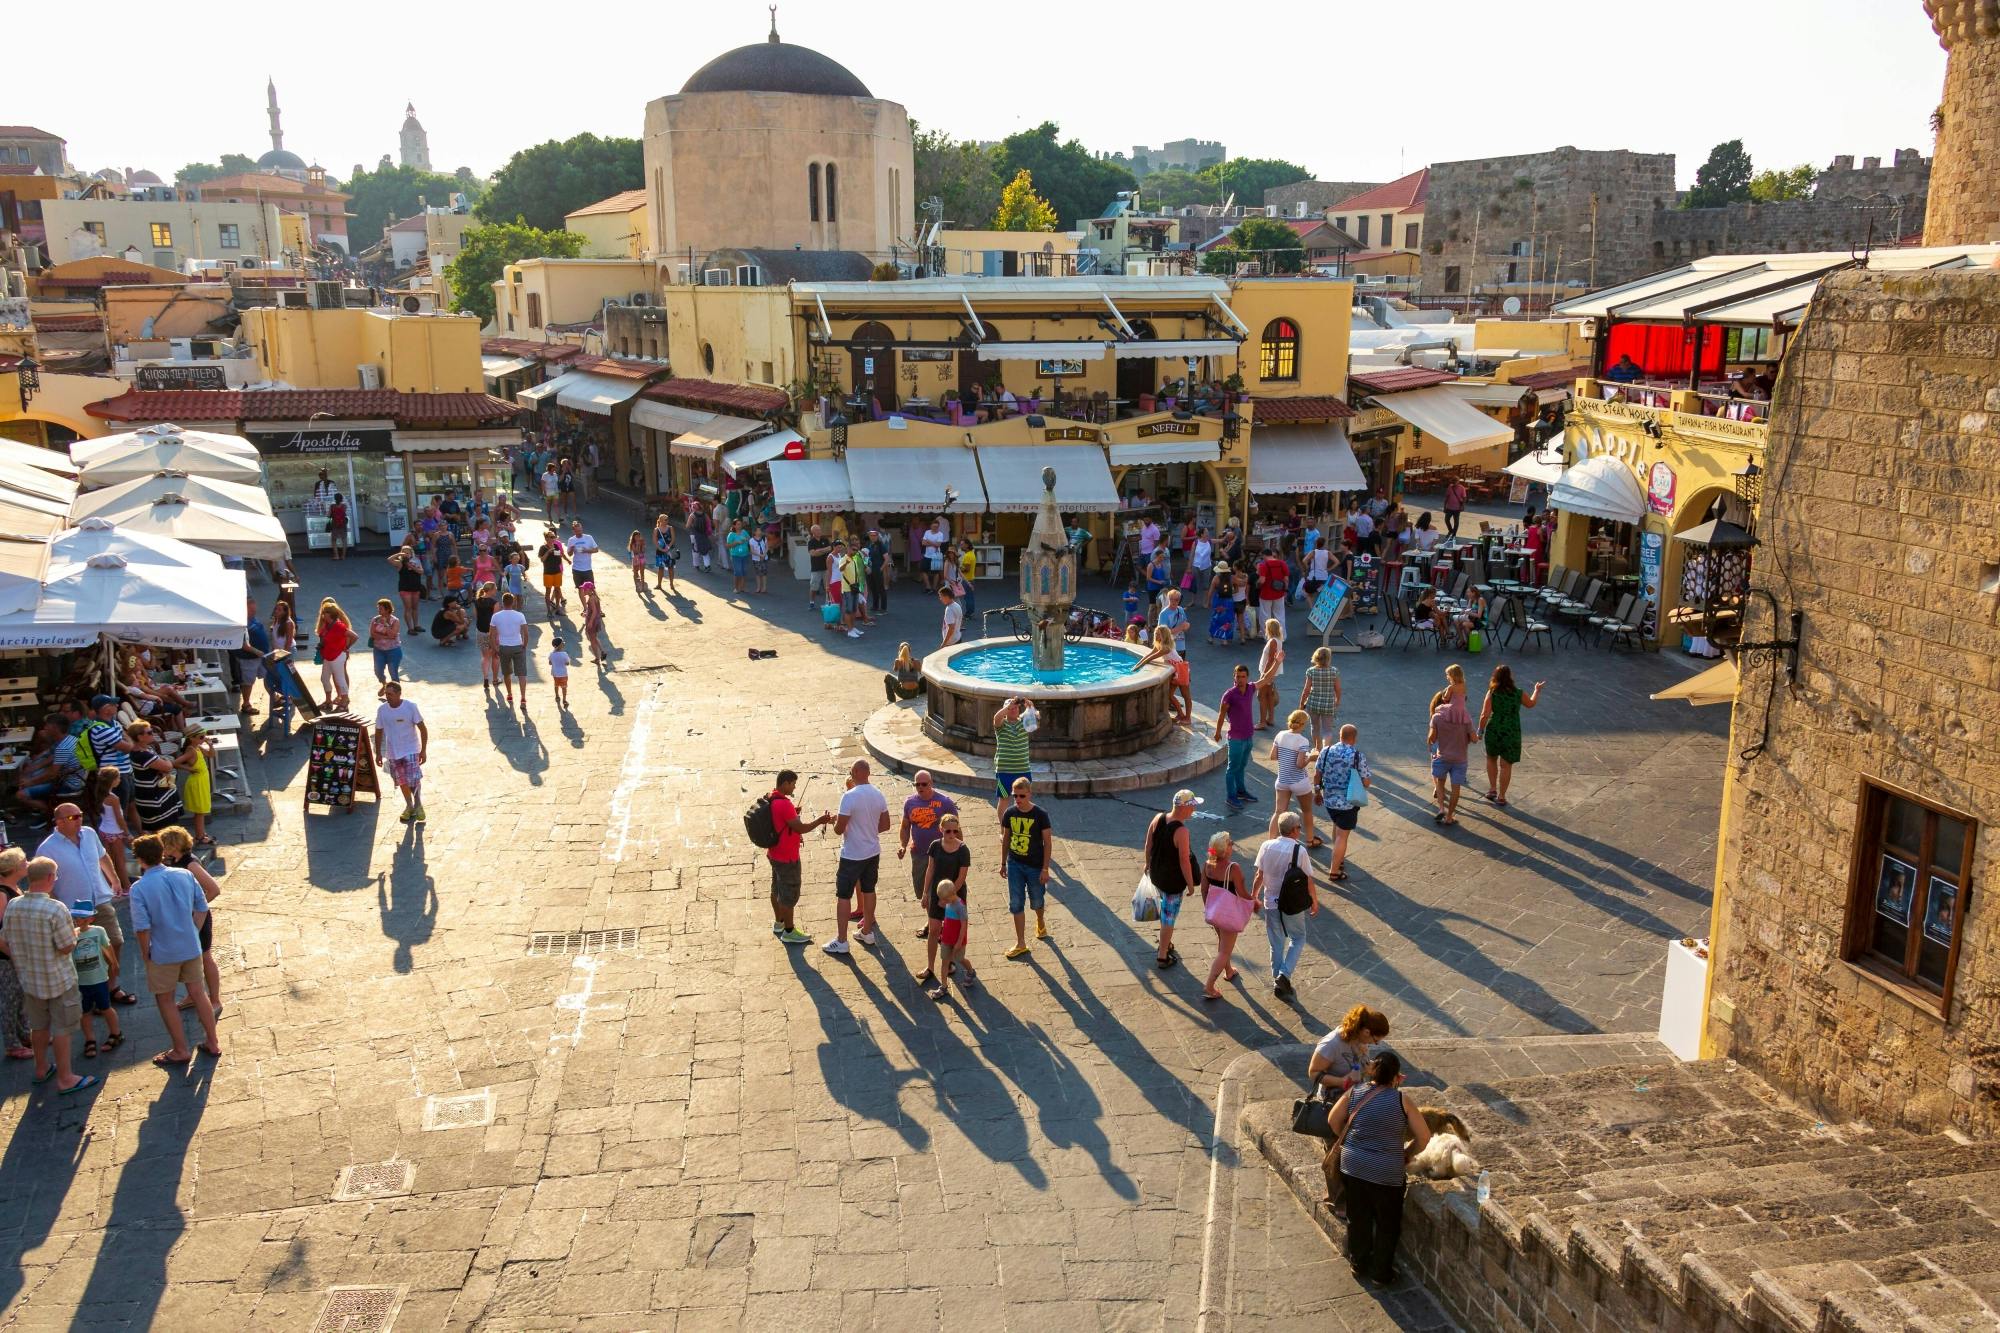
[1310,1115]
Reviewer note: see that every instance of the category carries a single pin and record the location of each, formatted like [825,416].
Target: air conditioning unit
[326,296]
[684,275]
[715,277]
[638,298]
[294,299]
[371,375]
[1270,210]
[419,303]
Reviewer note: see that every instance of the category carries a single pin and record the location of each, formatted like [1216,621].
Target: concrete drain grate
[374,1180]
[562,943]
[461,1110]
[359,1310]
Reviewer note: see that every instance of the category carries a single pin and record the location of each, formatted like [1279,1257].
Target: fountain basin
[1107,705]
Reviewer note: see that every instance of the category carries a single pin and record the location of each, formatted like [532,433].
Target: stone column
[1964,207]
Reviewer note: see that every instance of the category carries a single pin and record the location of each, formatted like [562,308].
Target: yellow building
[1387,218]
[614,228]
[367,349]
[541,300]
[1008,254]
[37,407]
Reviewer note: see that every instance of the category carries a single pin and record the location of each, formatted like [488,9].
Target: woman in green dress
[1500,729]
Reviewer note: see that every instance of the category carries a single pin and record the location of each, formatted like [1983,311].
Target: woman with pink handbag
[1226,905]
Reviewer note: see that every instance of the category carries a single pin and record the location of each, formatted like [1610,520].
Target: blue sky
[1356,92]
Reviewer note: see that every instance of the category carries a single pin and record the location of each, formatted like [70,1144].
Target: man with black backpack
[773,823]
[1284,881]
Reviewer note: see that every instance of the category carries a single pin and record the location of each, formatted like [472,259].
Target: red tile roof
[719,397]
[1319,407]
[534,351]
[28,132]
[109,278]
[611,365]
[68,323]
[1407,192]
[407,409]
[19,169]
[626,202]
[1550,379]
[1394,381]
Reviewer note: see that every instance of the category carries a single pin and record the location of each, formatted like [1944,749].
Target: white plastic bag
[1145,901]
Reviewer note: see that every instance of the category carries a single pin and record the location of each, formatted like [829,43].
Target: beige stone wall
[730,169]
[1881,522]
[1964,202]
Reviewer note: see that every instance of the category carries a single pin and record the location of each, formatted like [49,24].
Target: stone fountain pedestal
[1078,721]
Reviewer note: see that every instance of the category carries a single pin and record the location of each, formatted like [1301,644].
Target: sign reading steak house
[325,440]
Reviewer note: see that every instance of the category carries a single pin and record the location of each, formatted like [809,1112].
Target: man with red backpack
[773,823]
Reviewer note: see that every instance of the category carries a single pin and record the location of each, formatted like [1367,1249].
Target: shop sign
[330,440]
[1050,368]
[1373,418]
[181,377]
[1652,564]
[1086,433]
[1152,428]
[1660,485]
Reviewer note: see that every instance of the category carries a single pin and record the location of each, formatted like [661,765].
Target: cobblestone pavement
[701,1128]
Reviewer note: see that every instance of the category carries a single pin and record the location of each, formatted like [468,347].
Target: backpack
[84,754]
[760,824]
[1295,889]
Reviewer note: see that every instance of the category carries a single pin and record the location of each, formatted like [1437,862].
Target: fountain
[1094,698]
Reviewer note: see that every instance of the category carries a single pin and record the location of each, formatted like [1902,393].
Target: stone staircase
[1683,1197]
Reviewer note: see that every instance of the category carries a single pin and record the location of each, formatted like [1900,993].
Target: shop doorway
[1137,375]
[874,364]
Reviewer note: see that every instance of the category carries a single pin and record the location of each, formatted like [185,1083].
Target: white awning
[1439,412]
[34,455]
[1717,685]
[1175,347]
[1545,466]
[809,485]
[914,481]
[1490,395]
[760,450]
[1600,487]
[1013,477]
[534,393]
[1289,460]
[499,367]
[1166,450]
[453,441]
[669,418]
[707,441]
[1084,351]
[585,392]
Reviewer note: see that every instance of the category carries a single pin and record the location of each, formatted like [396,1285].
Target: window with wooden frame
[1911,881]
[163,235]
[1278,352]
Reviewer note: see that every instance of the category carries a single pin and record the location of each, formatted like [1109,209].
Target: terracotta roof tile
[29,132]
[625,202]
[1550,379]
[68,323]
[1319,407]
[719,397]
[534,351]
[406,409]
[611,365]
[1394,381]
[1406,192]
[109,278]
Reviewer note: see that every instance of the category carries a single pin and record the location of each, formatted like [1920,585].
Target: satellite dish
[1511,306]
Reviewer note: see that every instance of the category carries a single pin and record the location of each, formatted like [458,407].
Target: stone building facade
[1315,196]
[1569,215]
[1968,149]
[1850,207]
[1881,524]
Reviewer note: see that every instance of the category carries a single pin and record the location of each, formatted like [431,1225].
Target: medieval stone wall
[1317,196]
[1966,205]
[1881,523]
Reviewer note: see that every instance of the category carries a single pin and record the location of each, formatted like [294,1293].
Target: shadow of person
[852,1067]
[515,737]
[339,841]
[406,899]
[612,694]
[571,728]
[1067,1109]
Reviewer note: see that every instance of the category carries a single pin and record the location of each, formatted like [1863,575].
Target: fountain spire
[1048,582]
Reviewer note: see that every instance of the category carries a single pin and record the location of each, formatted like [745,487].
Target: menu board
[339,763]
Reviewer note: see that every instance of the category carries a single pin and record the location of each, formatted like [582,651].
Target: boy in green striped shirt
[1010,748]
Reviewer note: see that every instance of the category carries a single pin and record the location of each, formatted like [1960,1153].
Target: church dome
[278,159]
[773,66]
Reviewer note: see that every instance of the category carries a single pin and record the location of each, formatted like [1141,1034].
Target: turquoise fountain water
[1014,664]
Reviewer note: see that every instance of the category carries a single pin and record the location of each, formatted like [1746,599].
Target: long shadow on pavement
[407,899]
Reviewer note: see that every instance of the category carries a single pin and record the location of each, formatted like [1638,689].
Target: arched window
[1278,355]
[812,190]
[832,194]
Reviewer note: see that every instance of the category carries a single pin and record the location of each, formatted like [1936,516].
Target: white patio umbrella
[143,458]
[102,581]
[48,460]
[34,481]
[144,490]
[26,516]
[223,529]
[83,451]
[24,564]
[1544,465]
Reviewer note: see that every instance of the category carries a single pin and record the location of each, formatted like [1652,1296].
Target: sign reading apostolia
[321,440]
[181,377]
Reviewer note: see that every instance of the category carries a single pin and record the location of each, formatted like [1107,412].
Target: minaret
[1963,208]
[277,133]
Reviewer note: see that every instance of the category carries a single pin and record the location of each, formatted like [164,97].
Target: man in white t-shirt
[1286,930]
[551,488]
[510,637]
[861,822]
[402,743]
[954,619]
[582,549]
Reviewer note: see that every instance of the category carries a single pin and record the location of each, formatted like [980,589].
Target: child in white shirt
[760,560]
[559,672]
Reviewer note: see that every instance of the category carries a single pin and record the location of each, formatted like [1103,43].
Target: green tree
[1076,182]
[1272,244]
[379,197]
[540,185]
[965,176]
[1776,185]
[1021,209]
[1175,188]
[1723,179]
[198,173]
[485,253]
[1248,177]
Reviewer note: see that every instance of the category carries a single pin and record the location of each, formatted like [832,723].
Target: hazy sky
[1350,91]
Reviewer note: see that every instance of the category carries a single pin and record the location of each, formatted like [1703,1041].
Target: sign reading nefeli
[181,377]
[321,440]
[1151,428]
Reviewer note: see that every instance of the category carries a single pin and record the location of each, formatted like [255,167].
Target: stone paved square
[699,1128]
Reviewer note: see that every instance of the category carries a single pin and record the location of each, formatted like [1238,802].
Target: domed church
[775,146]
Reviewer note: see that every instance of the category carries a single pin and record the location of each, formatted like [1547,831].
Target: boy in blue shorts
[93,979]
